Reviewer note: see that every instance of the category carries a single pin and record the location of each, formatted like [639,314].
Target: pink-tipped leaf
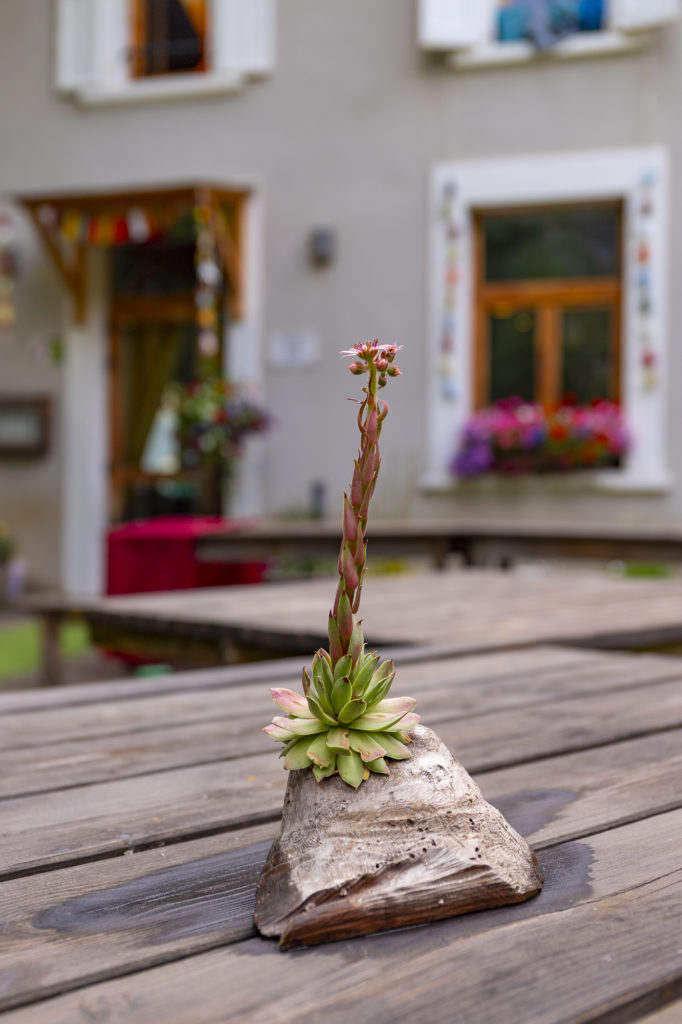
[291,702]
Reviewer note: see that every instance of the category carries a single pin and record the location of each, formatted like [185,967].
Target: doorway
[153,355]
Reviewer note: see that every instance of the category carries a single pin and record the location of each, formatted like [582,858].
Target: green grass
[648,570]
[20,646]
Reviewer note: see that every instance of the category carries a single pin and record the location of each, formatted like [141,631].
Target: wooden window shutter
[456,24]
[639,15]
[244,35]
[74,43]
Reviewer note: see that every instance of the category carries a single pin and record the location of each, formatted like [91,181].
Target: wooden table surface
[463,610]
[136,816]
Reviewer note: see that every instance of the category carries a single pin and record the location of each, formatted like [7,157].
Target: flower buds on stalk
[344,723]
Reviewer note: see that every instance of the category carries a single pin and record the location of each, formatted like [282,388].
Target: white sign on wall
[294,350]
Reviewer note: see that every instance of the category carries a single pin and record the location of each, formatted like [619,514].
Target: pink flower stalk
[376,361]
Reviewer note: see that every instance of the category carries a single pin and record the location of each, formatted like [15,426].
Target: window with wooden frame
[547,304]
[169,36]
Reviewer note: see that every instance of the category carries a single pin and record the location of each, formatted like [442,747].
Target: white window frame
[468,35]
[91,52]
[615,174]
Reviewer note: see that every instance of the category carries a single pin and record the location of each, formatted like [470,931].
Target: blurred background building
[196,188]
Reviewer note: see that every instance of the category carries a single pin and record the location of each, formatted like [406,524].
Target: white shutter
[456,24]
[244,35]
[639,15]
[111,41]
[74,43]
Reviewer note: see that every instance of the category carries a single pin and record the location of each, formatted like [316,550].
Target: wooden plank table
[462,610]
[136,816]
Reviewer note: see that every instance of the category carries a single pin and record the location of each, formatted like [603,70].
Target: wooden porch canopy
[69,223]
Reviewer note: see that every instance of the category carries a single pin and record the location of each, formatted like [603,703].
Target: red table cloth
[160,554]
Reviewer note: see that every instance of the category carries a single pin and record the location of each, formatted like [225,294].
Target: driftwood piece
[416,845]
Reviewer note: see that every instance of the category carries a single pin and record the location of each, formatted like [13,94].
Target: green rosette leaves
[346,725]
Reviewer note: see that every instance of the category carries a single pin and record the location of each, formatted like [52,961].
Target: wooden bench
[479,543]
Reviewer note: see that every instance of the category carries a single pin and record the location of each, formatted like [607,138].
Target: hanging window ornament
[203,297]
[48,217]
[450,283]
[208,273]
[206,317]
[120,231]
[202,215]
[138,225]
[644,278]
[644,304]
[643,252]
[208,343]
[71,225]
[104,230]
[649,361]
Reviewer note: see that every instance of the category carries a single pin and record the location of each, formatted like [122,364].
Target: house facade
[273,181]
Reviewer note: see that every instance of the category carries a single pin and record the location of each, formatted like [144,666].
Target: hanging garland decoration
[209,281]
[8,270]
[645,305]
[448,320]
[138,225]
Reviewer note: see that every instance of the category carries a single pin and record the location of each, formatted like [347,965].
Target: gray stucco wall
[343,134]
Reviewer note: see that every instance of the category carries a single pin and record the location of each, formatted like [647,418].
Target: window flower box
[514,437]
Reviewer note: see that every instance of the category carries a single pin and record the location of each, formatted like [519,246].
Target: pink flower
[368,347]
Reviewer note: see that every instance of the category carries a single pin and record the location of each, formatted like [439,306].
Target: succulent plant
[344,722]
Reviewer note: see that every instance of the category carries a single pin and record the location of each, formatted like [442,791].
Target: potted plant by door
[214,418]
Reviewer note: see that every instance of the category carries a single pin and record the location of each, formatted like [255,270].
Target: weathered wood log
[417,845]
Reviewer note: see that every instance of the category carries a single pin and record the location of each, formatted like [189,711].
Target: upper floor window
[169,36]
[508,31]
[544,24]
[115,50]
